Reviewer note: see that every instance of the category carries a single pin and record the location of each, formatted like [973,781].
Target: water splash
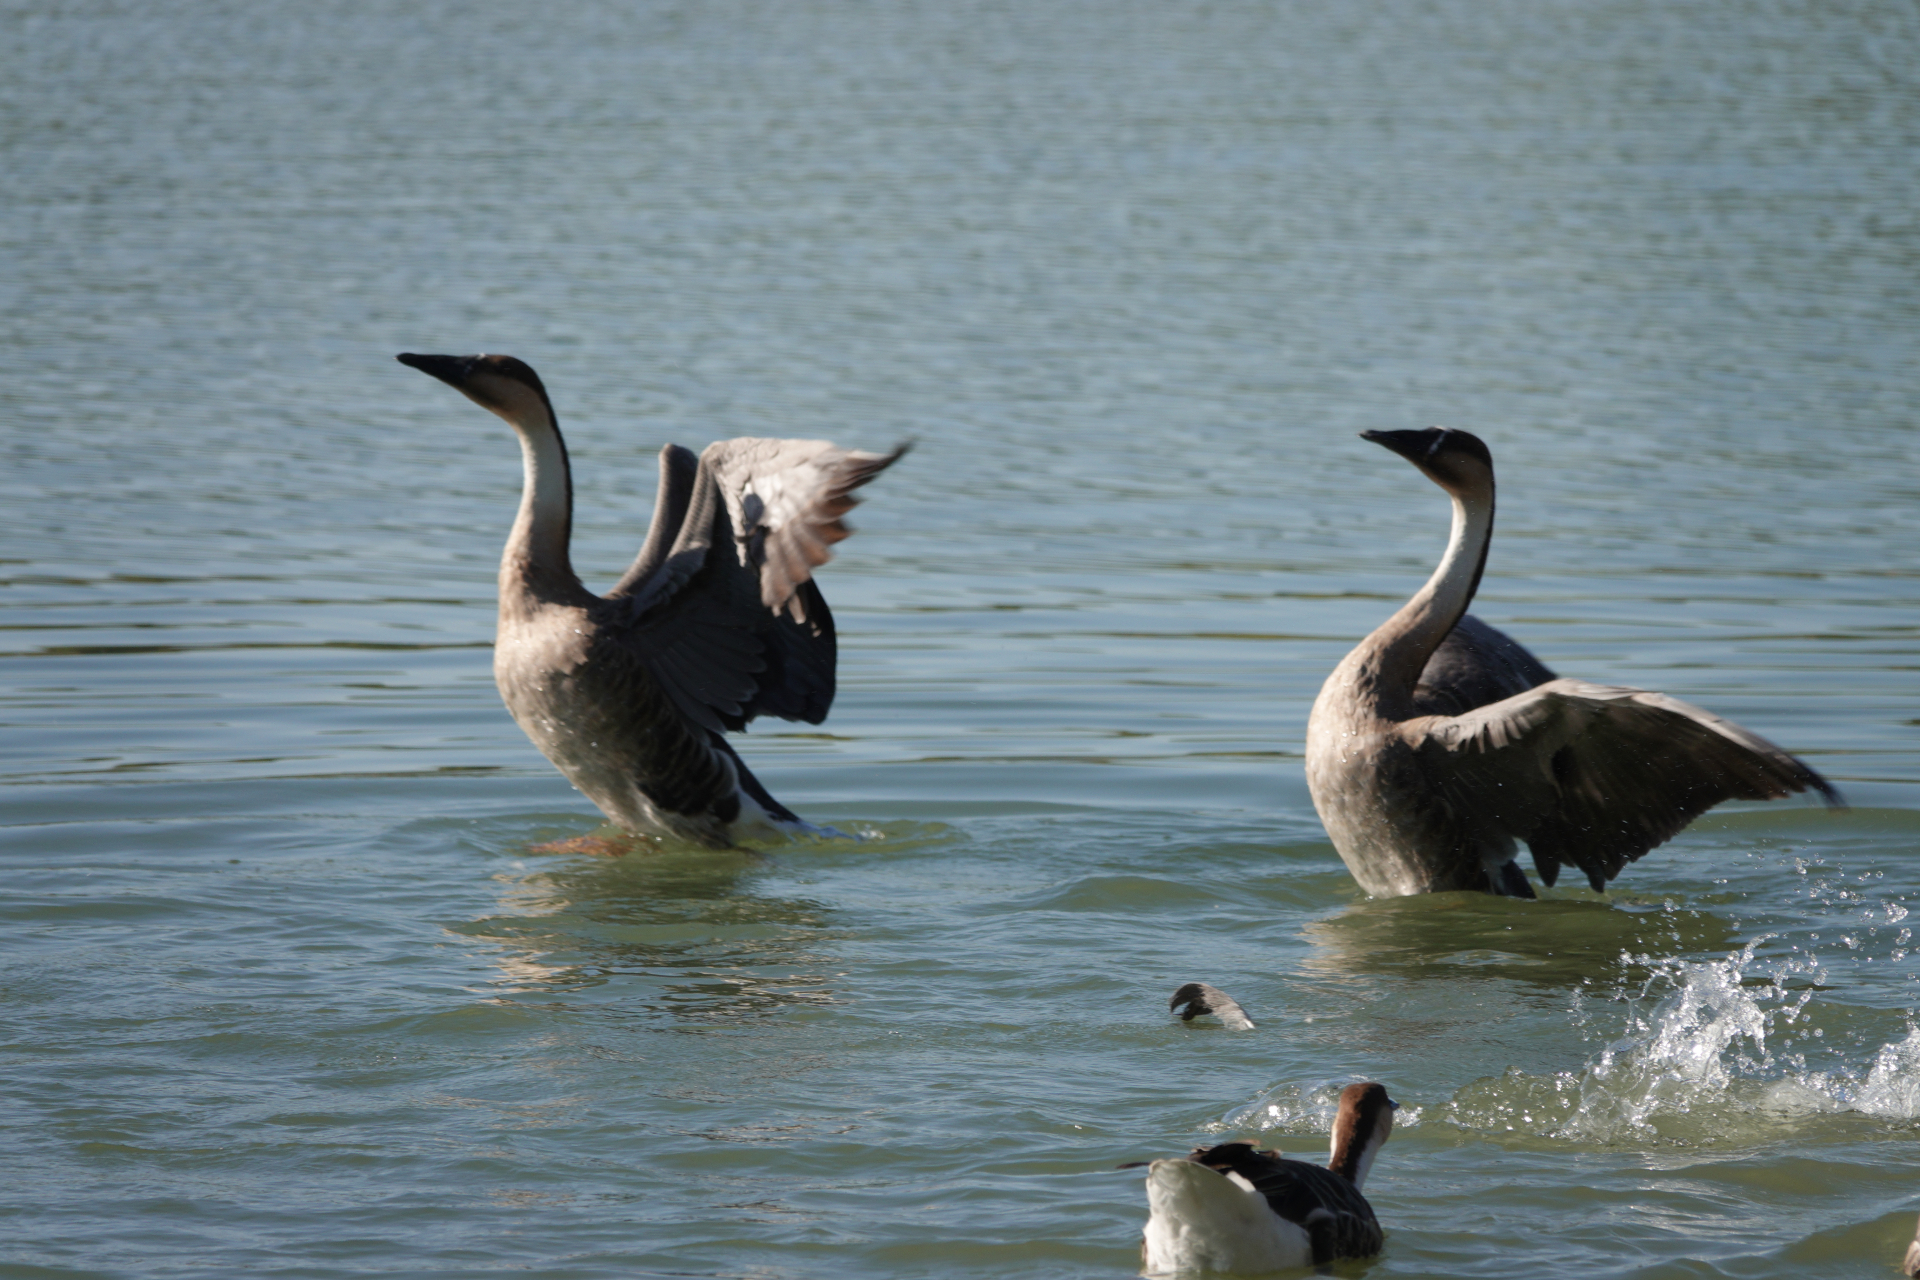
[1891,1090]
[1288,1109]
[1722,1056]
[1306,1111]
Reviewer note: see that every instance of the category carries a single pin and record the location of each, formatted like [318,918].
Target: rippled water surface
[286,987]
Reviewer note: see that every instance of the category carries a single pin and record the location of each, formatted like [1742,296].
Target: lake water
[285,987]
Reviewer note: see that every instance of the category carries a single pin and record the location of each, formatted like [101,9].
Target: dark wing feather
[752,785]
[801,654]
[708,663]
[724,610]
[1330,1209]
[1597,775]
[678,468]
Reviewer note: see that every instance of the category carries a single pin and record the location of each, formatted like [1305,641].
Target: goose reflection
[688,931]
[1477,935]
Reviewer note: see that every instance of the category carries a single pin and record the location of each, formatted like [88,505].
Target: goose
[1235,1208]
[717,621]
[1426,766]
[1910,1265]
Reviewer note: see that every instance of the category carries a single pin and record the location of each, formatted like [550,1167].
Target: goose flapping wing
[721,603]
[1596,775]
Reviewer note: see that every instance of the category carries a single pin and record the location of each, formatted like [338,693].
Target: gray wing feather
[786,500]
[1596,775]
[1202,998]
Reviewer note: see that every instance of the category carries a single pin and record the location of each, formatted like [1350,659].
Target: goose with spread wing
[1426,771]
[1238,1209]
[718,620]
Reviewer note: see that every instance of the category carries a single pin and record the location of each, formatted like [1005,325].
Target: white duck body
[1199,1220]
[1423,793]
[717,621]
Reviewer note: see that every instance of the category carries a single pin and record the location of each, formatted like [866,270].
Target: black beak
[452,370]
[1415,446]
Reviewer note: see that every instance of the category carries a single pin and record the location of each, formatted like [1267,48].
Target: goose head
[499,384]
[1361,1125]
[1457,461]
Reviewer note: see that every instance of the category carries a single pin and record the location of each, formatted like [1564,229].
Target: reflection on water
[1563,939]
[684,929]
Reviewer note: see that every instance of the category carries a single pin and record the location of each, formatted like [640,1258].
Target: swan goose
[1427,766]
[717,621]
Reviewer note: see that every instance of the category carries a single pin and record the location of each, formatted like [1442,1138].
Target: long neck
[1351,1159]
[1398,650]
[536,559]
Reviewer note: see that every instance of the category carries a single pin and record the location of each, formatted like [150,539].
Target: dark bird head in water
[502,384]
[1457,461]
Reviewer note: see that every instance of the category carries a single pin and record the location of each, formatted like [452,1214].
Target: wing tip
[1829,794]
[861,467]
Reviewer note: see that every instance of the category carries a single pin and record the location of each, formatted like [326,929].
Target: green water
[285,988]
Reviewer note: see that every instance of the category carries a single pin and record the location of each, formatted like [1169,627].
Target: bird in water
[717,621]
[1235,1208]
[1439,742]
[1202,998]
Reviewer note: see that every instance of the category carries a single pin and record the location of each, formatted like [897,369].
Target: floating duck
[1235,1208]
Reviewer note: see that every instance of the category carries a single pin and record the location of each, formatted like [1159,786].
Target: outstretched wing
[720,603]
[1336,1217]
[785,499]
[1597,775]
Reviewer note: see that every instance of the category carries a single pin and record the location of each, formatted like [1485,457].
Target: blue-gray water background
[284,990]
